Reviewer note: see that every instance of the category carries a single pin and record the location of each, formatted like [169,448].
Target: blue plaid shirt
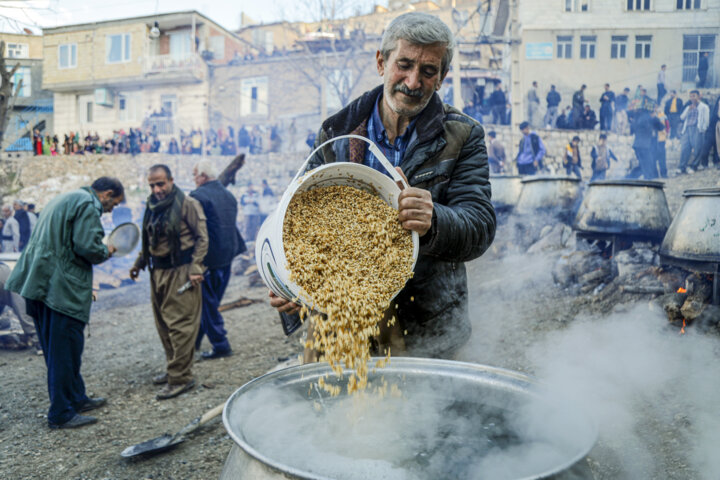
[378,135]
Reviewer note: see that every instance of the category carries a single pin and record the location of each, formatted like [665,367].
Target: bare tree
[8,94]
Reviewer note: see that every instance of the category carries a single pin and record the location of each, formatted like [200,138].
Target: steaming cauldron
[552,194]
[437,419]
[630,208]
[694,234]
[505,191]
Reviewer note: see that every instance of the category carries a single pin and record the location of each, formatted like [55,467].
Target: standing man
[54,275]
[703,67]
[645,125]
[661,138]
[533,106]
[497,103]
[622,125]
[32,216]
[572,161]
[174,244]
[530,151]
[553,102]
[496,153]
[23,222]
[695,118]
[10,231]
[442,153]
[607,100]
[578,104]
[673,109]
[225,242]
[661,84]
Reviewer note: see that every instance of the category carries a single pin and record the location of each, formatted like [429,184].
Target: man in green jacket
[54,275]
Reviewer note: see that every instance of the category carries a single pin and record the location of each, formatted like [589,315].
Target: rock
[692,308]
[672,303]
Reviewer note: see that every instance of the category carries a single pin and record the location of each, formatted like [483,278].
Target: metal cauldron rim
[415,364]
[702,192]
[629,183]
[549,178]
[505,176]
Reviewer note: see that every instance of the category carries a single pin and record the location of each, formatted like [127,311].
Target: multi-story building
[33,106]
[621,42]
[309,70]
[118,74]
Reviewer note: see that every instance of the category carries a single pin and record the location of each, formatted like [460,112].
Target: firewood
[242,302]
[671,304]
[227,176]
[649,289]
[693,307]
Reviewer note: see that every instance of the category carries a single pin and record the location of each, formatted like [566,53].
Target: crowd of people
[651,121]
[16,224]
[221,141]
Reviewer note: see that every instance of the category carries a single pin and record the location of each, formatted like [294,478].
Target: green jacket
[56,266]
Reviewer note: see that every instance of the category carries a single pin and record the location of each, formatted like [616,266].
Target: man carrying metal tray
[442,154]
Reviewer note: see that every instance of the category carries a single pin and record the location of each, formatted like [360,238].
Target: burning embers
[691,304]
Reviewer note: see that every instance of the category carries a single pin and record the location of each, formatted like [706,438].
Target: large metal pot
[694,234]
[629,208]
[445,420]
[505,191]
[553,194]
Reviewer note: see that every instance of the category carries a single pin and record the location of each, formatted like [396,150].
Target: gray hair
[419,29]
[207,168]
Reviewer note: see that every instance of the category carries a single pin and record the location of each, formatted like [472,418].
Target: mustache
[410,93]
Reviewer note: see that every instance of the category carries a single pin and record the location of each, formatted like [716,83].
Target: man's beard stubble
[400,109]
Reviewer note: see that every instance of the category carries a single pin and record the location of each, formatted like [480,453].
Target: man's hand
[415,208]
[196,280]
[111,249]
[134,272]
[282,305]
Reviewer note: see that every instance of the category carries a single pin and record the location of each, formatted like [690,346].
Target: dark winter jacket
[56,266]
[446,156]
[643,126]
[220,207]
[553,98]
[497,99]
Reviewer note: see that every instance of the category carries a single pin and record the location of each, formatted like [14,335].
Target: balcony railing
[174,64]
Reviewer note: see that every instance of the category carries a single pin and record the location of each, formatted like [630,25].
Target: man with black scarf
[174,244]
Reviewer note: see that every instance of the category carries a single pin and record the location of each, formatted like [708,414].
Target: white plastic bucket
[269,248]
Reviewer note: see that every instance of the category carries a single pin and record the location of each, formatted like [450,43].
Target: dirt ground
[123,352]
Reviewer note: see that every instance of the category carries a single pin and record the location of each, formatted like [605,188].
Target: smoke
[652,392]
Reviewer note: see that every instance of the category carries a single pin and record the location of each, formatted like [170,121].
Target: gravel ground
[519,316]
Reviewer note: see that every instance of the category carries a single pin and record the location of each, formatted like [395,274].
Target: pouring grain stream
[348,252]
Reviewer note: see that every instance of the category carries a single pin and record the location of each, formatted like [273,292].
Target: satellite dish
[155,31]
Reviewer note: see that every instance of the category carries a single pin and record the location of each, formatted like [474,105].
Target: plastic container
[269,248]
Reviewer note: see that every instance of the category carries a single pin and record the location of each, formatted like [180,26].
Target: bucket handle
[373,148]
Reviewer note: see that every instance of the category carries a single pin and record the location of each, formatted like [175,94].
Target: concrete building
[621,42]
[33,107]
[119,74]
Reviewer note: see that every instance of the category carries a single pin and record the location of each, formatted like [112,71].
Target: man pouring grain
[174,244]
[442,153]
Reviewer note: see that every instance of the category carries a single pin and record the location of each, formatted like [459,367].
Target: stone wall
[555,142]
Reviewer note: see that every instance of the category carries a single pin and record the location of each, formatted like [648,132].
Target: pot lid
[702,192]
[629,183]
[550,178]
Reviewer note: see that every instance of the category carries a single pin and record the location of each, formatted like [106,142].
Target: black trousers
[62,340]
[211,321]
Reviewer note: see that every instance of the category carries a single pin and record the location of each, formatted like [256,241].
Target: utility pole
[516,96]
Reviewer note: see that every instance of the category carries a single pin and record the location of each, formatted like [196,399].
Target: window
[169,103]
[128,107]
[254,96]
[618,46]
[638,5]
[576,5]
[587,46]
[688,4]
[263,40]
[117,48]
[180,45]
[693,47]
[17,50]
[642,46]
[22,73]
[564,46]
[67,55]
